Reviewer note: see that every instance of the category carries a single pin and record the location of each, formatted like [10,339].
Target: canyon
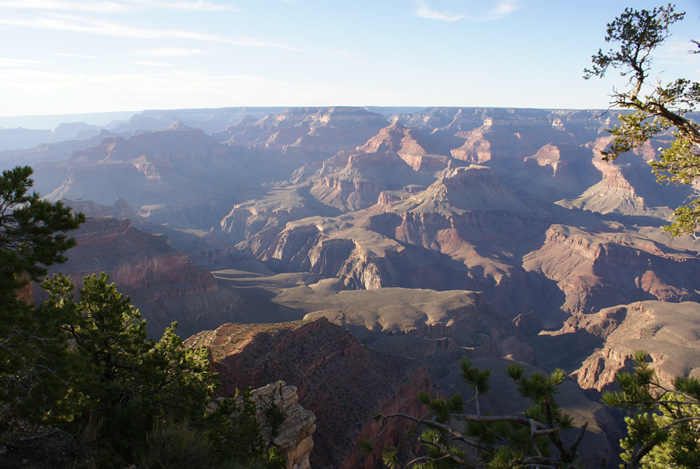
[358,253]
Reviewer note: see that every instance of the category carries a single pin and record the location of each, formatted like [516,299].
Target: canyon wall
[341,381]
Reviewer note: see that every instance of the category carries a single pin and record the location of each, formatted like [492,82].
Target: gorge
[358,253]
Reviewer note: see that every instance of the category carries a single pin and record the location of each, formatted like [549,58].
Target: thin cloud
[6,62]
[168,52]
[153,64]
[426,12]
[455,11]
[79,24]
[199,5]
[91,6]
[59,5]
[504,9]
[84,56]
[678,51]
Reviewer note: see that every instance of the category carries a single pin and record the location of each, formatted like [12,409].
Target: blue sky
[78,56]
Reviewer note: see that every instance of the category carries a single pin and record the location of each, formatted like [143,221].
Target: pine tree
[663,422]
[32,238]
[654,109]
[450,438]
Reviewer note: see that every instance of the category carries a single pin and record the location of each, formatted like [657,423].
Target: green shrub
[173,445]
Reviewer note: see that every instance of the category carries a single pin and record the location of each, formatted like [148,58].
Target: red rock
[341,381]
[162,282]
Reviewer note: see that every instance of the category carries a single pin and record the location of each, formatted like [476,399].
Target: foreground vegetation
[451,438]
[87,367]
[663,422]
[663,425]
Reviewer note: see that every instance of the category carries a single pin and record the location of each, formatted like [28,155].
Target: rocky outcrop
[409,145]
[460,211]
[293,433]
[627,186]
[475,148]
[358,184]
[341,381]
[547,156]
[505,136]
[469,188]
[613,194]
[392,159]
[274,210]
[667,331]
[361,258]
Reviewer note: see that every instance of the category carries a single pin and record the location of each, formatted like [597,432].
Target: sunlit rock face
[595,270]
[667,331]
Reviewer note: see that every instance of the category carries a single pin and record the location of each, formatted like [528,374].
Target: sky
[81,56]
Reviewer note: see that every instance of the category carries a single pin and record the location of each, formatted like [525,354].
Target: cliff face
[162,282]
[137,259]
[627,187]
[466,208]
[667,331]
[341,381]
[597,271]
[247,219]
[358,184]
[294,434]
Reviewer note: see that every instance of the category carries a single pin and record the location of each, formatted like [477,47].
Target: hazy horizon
[51,121]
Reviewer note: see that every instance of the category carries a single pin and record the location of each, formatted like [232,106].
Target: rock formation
[339,193]
[294,434]
[341,381]
[305,132]
[599,270]
[667,331]
[162,282]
